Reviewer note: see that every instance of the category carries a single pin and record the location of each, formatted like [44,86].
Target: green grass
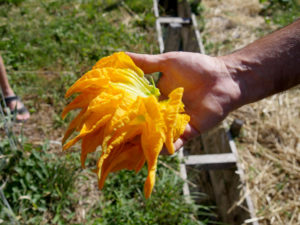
[35,184]
[281,12]
[46,46]
[40,188]
[65,38]
[124,202]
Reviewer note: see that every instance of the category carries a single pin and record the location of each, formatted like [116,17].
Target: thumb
[189,133]
[148,63]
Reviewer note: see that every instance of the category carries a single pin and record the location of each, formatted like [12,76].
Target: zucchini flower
[120,112]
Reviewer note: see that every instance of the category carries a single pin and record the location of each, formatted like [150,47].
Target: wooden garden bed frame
[220,161]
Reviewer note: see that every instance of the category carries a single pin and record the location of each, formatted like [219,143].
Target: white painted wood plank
[159,36]
[183,174]
[211,160]
[174,20]
[240,171]
[155,7]
[197,33]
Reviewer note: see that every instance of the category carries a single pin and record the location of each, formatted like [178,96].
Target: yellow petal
[119,60]
[128,157]
[89,144]
[152,139]
[73,125]
[93,115]
[171,113]
[91,81]
[152,145]
[81,101]
[181,122]
[121,123]
[85,131]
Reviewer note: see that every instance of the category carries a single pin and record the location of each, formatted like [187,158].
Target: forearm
[267,66]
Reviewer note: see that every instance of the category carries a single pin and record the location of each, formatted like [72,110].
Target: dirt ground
[268,146]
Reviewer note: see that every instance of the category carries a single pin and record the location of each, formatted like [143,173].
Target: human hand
[210,92]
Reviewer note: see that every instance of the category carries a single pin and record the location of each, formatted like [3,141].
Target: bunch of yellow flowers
[121,112]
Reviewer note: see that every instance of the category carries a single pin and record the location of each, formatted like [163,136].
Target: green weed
[282,12]
[124,202]
[46,46]
[36,183]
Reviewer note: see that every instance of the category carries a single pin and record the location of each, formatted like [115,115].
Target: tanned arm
[215,86]
[267,66]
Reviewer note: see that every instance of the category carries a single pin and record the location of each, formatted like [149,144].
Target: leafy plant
[123,201]
[11,1]
[282,12]
[35,183]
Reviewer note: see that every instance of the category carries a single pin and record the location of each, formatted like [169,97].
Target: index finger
[148,63]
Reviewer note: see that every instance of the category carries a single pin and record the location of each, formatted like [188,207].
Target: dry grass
[270,152]
[269,146]
[232,24]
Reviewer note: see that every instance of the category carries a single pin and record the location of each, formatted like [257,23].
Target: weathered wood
[160,37]
[172,37]
[174,20]
[188,37]
[158,27]
[155,8]
[183,9]
[236,127]
[241,174]
[183,174]
[197,34]
[212,161]
[225,182]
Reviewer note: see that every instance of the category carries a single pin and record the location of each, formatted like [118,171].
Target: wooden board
[224,184]
[212,161]
[173,37]
[174,20]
